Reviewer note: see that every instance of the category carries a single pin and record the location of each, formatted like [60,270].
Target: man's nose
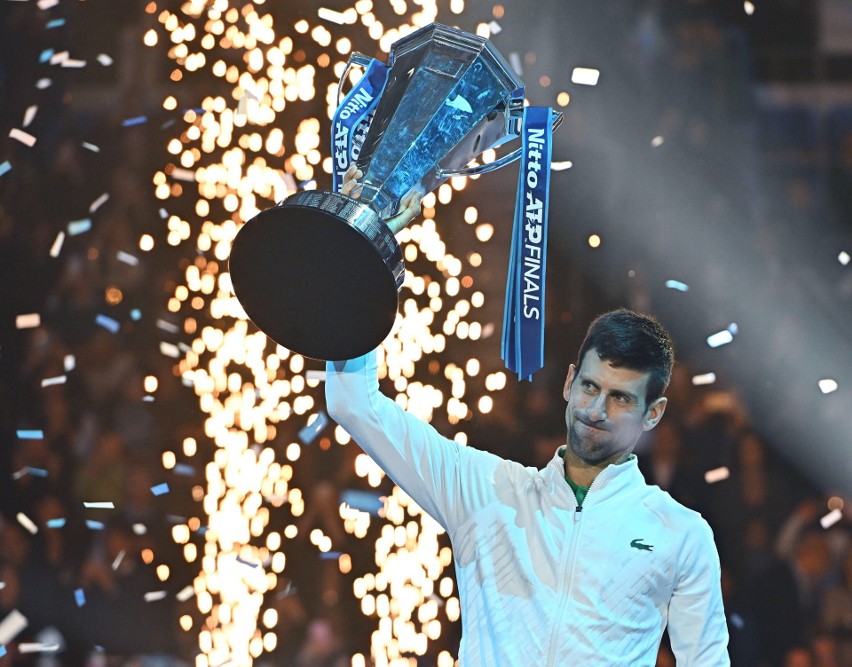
[597,409]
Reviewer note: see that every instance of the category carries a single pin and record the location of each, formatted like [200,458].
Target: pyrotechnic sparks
[249,145]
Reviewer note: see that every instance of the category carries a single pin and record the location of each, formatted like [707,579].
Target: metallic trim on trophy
[320,272]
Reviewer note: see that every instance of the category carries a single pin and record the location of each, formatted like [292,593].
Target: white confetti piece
[41,84]
[47,4]
[73,62]
[24,137]
[585,76]
[717,475]
[561,165]
[100,505]
[91,147]
[169,350]
[494,27]
[153,596]
[827,385]
[76,227]
[58,379]
[515,62]
[168,326]
[844,257]
[185,593]
[705,378]
[831,518]
[315,375]
[69,362]
[658,141]
[28,321]
[29,115]
[27,523]
[748,7]
[181,174]
[59,58]
[331,15]
[5,166]
[100,201]
[677,285]
[127,258]
[104,59]
[12,626]
[721,338]
[56,248]
[37,647]
[118,559]
[139,529]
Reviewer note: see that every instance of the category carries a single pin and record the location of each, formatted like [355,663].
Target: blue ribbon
[523,316]
[352,119]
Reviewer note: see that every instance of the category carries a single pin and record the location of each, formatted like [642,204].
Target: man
[580,563]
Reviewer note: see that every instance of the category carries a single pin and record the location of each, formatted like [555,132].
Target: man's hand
[409,205]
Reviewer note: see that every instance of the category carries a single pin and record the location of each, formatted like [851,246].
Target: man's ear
[566,390]
[654,413]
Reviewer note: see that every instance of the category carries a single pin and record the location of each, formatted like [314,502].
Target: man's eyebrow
[615,392]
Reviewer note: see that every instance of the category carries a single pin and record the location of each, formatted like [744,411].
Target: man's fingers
[409,209]
[350,181]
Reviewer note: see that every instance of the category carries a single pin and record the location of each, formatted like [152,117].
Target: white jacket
[540,582]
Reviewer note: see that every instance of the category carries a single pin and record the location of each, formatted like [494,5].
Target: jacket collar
[612,481]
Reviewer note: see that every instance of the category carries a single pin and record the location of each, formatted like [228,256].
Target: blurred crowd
[105,585]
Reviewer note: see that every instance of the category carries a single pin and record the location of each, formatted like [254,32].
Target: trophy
[320,272]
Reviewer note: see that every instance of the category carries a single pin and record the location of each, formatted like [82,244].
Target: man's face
[606,410]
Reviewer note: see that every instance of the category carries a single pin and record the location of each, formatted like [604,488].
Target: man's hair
[627,339]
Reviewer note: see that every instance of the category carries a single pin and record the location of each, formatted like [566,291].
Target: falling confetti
[717,475]
[585,76]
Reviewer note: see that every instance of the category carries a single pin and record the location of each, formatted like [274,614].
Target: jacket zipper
[572,553]
[566,595]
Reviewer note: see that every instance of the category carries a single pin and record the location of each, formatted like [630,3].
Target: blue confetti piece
[55,23]
[365,501]
[310,432]
[5,166]
[168,124]
[160,489]
[91,524]
[80,597]
[79,226]
[56,523]
[246,562]
[184,469]
[135,314]
[136,120]
[46,55]
[2,650]
[201,530]
[330,555]
[107,323]
[36,472]
[676,284]
[31,435]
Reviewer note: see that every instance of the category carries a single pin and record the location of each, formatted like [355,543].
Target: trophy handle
[355,60]
[491,166]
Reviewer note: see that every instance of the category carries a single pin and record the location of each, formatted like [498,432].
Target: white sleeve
[448,480]
[697,626]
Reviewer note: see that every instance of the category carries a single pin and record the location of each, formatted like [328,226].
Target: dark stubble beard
[588,450]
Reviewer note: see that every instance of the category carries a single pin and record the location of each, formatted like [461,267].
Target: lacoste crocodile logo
[637,544]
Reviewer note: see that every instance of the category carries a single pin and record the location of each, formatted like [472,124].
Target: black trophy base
[322,282]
